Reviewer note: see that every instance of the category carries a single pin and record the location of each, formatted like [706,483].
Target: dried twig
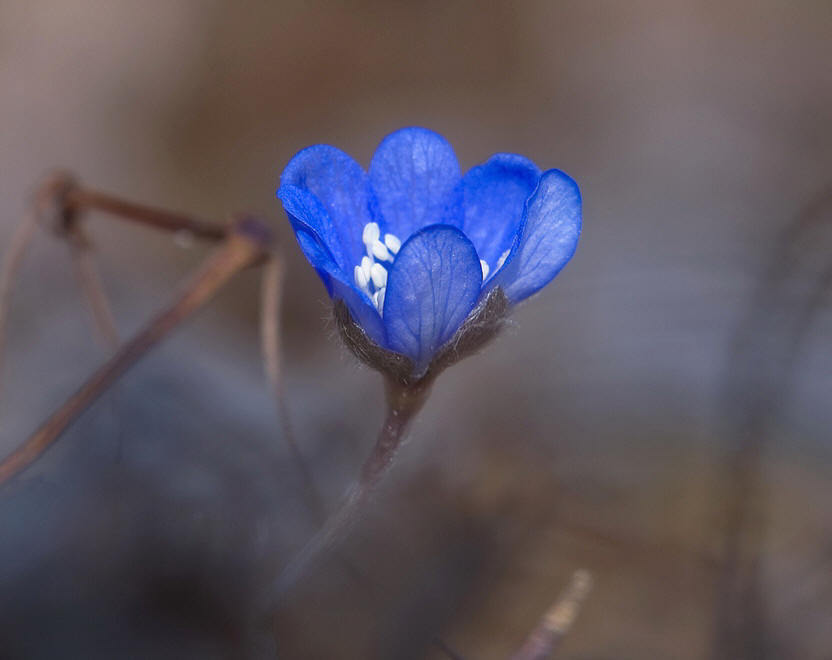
[243,247]
[80,198]
[59,203]
[12,261]
[557,620]
[271,294]
[92,287]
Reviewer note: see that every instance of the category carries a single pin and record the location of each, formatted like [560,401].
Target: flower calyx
[483,323]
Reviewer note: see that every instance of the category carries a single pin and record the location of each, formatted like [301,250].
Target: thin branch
[271,295]
[89,279]
[59,203]
[46,207]
[243,247]
[12,261]
[558,619]
[79,198]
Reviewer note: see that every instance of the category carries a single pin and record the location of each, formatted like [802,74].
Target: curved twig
[87,199]
[271,295]
[12,261]
[557,621]
[244,247]
[89,279]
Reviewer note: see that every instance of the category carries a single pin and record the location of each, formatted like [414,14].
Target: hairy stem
[243,247]
[403,402]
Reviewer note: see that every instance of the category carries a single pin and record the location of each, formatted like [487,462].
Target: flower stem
[403,402]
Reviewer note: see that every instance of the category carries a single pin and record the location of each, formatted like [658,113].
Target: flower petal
[306,212]
[432,287]
[547,239]
[414,174]
[493,197]
[340,287]
[341,186]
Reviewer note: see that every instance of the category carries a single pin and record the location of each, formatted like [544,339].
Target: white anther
[371,233]
[366,266]
[379,276]
[360,278]
[380,251]
[393,243]
[378,299]
[502,258]
[485,269]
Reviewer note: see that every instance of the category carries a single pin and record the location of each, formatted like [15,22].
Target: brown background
[597,433]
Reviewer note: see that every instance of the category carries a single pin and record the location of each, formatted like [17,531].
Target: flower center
[371,274]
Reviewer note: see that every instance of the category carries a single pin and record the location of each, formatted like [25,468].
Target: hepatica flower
[416,251]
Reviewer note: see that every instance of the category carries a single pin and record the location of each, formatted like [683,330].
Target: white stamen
[485,269]
[366,266]
[360,277]
[371,233]
[371,277]
[393,243]
[378,299]
[379,276]
[380,251]
[502,259]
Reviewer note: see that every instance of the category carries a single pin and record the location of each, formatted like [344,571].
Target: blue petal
[312,223]
[494,195]
[341,186]
[432,287]
[306,212]
[340,286]
[547,239]
[414,174]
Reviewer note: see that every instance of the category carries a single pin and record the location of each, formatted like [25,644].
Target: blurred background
[659,415]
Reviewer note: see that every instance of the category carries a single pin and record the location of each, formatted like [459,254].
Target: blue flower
[412,247]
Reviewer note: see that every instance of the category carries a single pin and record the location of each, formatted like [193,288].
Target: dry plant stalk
[557,621]
[236,253]
[271,294]
[12,261]
[78,198]
[61,201]
[89,279]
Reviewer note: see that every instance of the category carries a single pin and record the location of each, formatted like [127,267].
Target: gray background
[594,434]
